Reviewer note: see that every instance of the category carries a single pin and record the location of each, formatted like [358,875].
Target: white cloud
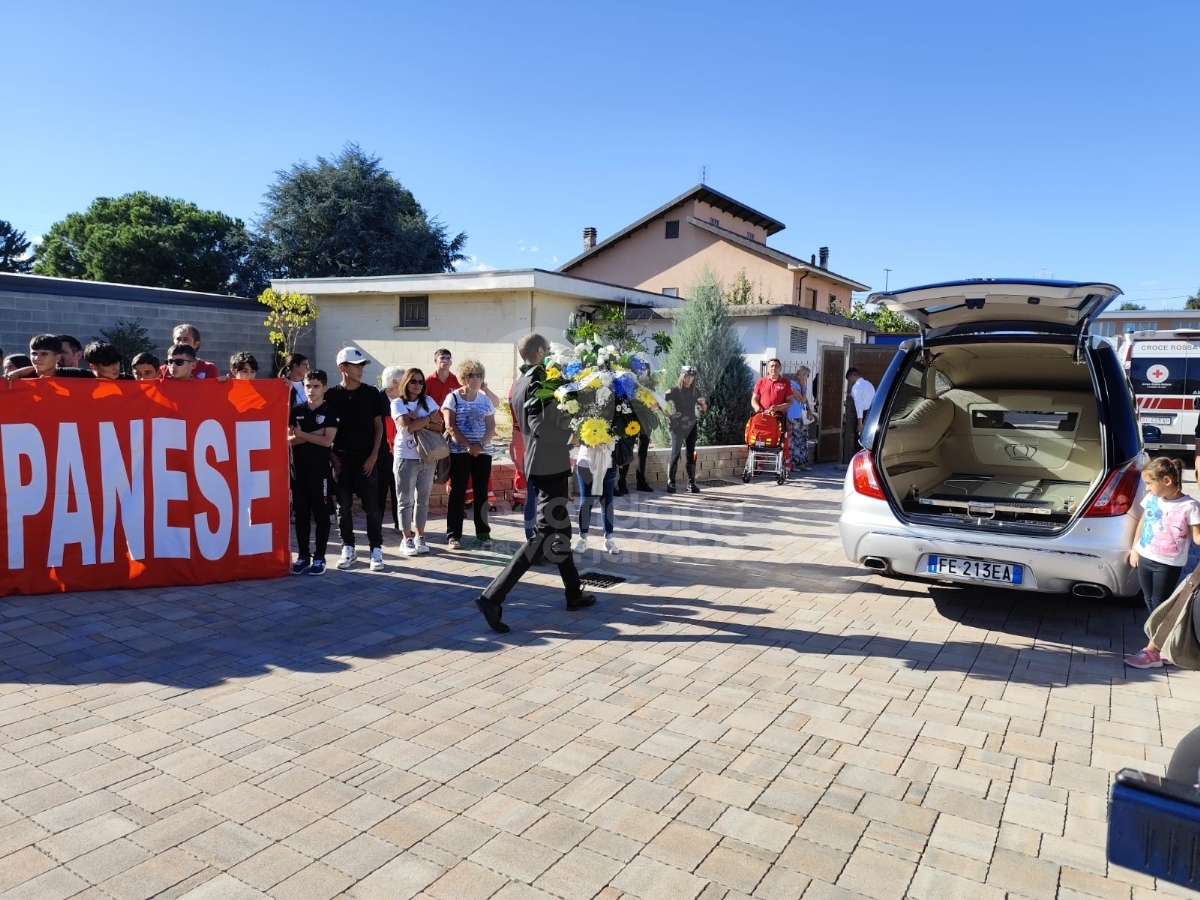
[553,259]
[533,249]
[1151,283]
[473,264]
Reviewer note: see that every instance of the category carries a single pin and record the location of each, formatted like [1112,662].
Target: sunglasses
[417,381]
[181,361]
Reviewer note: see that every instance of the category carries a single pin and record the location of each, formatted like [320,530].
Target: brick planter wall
[711,462]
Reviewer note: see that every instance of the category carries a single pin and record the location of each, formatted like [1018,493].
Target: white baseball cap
[352,355]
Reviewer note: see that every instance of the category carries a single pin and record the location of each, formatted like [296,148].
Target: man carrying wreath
[547,431]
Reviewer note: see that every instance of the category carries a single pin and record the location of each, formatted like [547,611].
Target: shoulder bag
[431,446]
[1173,625]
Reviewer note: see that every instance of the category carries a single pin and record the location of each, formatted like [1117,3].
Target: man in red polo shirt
[773,392]
[441,381]
[190,335]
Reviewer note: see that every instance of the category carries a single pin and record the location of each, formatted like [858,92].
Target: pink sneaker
[1144,659]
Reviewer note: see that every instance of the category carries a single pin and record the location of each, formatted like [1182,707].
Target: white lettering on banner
[67,527]
[214,543]
[170,541]
[252,485]
[124,489]
[18,441]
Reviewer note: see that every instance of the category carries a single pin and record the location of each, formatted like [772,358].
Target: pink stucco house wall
[665,251]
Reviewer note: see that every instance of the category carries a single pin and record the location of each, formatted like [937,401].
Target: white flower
[581,348]
[571,406]
[611,350]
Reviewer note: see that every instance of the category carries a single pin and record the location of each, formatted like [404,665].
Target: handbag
[1172,626]
[431,446]
[441,470]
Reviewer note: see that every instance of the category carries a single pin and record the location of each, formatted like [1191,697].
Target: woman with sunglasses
[412,410]
[470,423]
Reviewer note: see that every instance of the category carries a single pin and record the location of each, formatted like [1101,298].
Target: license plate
[975,569]
[1157,420]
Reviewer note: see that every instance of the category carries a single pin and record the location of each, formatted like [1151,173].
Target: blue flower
[624,386]
[639,365]
[572,369]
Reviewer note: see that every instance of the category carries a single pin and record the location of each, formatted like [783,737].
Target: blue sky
[940,140]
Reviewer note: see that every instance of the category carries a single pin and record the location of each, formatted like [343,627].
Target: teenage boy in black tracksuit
[548,467]
[312,427]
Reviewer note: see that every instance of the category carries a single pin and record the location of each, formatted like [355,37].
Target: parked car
[1002,446]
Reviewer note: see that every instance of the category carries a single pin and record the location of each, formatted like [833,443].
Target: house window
[1142,326]
[414,311]
[1184,323]
[750,234]
[799,342]
[812,298]
[832,300]
[672,229]
[1104,329]
[670,292]
[715,221]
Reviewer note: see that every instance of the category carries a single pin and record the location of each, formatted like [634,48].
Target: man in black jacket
[547,434]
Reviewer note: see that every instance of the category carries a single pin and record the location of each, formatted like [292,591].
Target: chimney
[589,238]
[812,260]
[824,251]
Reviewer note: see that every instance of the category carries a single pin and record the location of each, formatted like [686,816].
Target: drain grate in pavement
[600,579]
[717,482]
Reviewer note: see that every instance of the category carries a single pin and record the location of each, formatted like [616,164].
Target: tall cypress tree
[704,337]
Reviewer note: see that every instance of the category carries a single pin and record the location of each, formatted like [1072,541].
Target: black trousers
[477,471]
[350,482]
[552,537]
[387,486]
[311,496]
[643,447]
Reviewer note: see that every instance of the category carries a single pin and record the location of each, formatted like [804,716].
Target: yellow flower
[594,432]
[645,397]
[554,373]
[632,429]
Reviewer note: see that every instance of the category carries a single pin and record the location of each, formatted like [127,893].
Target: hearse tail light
[866,481]
[1117,495]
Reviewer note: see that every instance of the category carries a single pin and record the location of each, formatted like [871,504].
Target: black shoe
[491,612]
[584,601]
[621,490]
[670,487]
[692,489]
[644,486]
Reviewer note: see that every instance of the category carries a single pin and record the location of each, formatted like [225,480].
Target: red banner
[129,484]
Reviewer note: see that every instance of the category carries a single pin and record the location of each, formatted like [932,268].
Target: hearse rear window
[1025,420]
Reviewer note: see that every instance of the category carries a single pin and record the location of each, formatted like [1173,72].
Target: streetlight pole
[886,276]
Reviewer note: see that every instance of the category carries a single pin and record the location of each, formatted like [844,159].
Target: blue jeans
[587,499]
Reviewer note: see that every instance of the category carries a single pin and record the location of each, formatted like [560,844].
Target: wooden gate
[829,395]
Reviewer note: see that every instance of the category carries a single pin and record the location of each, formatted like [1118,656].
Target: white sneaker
[422,547]
[377,559]
[349,555]
[580,545]
[610,546]
[408,547]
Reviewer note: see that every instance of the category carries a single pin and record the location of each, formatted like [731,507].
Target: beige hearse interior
[1002,430]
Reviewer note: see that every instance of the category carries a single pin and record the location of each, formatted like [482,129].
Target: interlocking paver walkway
[746,716]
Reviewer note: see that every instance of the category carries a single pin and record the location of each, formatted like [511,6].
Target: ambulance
[1164,371]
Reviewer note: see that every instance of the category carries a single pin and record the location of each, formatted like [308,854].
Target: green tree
[1193,302]
[289,318]
[14,250]
[741,292]
[884,319]
[1131,306]
[131,338]
[704,337]
[143,239]
[349,216]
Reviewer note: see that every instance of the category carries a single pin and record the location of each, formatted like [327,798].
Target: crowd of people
[350,440]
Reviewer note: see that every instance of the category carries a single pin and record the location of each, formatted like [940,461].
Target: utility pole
[887,274]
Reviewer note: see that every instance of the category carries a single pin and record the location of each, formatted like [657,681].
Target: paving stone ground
[747,715]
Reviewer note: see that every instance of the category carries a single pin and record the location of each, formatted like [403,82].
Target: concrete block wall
[227,324]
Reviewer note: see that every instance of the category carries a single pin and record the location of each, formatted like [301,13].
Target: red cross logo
[1158,373]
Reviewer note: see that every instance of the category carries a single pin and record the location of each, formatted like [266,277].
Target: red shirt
[439,391]
[204,369]
[772,393]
